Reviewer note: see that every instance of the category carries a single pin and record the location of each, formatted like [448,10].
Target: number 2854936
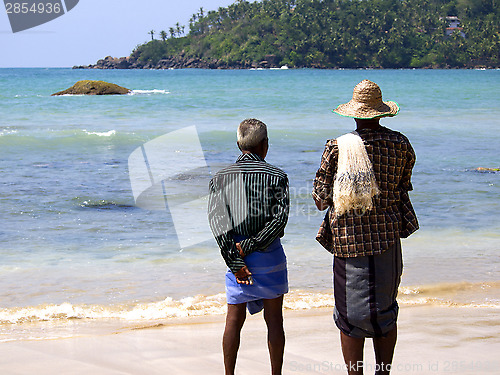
[25,8]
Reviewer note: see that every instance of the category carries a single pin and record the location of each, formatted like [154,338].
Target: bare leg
[273,315]
[352,348]
[384,350]
[235,318]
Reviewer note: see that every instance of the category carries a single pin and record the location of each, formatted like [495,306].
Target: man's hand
[244,276]
[240,250]
[320,204]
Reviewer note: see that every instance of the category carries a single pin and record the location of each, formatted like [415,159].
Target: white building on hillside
[454,25]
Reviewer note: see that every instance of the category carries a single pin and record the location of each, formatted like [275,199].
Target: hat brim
[363,111]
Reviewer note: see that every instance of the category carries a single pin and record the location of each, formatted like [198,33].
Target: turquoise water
[71,232]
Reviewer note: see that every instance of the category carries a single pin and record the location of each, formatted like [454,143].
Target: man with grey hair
[250,133]
[248,211]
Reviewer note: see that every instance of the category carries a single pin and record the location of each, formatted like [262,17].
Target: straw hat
[366,103]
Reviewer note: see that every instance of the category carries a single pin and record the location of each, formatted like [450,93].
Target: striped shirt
[248,198]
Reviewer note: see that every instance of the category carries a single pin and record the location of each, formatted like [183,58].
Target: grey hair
[251,132]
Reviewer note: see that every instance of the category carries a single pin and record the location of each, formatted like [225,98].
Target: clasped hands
[243,276]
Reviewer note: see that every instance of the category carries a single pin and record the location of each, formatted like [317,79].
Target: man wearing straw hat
[363,180]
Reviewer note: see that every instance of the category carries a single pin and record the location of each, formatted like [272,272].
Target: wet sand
[432,340]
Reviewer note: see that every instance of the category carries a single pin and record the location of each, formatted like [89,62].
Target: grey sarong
[365,291]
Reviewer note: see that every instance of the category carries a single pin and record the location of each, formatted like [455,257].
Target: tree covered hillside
[333,33]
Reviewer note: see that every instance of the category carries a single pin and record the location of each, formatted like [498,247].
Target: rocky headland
[372,34]
[179,61]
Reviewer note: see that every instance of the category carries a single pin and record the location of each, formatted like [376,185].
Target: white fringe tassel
[354,185]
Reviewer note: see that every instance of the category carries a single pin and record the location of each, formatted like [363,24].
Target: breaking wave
[478,295]
[149,92]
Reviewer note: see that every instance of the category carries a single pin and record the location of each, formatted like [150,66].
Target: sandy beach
[432,340]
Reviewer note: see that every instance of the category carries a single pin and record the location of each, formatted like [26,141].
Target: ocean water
[75,245]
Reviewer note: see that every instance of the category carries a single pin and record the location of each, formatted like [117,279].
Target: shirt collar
[245,157]
[368,130]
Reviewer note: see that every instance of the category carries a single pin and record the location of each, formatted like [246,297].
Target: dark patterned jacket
[392,217]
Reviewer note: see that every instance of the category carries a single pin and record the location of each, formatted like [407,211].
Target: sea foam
[149,92]
[101,134]
[458,295]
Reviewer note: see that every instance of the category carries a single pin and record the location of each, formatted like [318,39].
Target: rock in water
[88,87]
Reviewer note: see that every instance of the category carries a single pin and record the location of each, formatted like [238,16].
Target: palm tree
[171,31]
[152,33]
[178,29]
[192,20]
[163,35]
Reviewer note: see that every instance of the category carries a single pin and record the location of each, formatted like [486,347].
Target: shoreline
[484,294]
[117,64]
[86,67]
[432,339]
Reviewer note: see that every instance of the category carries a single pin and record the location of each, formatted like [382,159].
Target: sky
[94,29]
